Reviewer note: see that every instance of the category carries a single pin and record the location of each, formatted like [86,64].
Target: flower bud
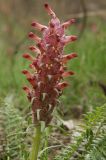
[66,74]
[62,85]
[27,56]
[68,57]
[34,49]
[69,39]
[34,37]
[26,89]
[38,26]
[49,10]
[68,23]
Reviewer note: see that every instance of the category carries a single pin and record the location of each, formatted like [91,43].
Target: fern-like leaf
[14,129]
[89,138]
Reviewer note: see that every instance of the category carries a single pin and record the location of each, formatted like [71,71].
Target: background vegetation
[86,93]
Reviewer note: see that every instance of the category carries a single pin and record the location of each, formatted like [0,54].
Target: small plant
[88,141]
[13,130]
[48,70]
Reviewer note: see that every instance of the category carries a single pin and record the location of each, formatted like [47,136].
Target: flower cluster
[48,66]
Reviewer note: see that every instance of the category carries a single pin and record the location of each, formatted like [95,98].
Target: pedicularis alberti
[48,69]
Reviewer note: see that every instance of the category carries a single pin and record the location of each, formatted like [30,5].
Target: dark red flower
[48,66]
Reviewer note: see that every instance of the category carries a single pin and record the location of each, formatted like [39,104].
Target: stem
[36,143]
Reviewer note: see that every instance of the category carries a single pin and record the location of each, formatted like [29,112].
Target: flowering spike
[38,26]
[27,56]
[68,23]
[48,67]
[49,10]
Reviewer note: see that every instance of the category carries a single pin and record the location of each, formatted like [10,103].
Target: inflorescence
[48,66]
